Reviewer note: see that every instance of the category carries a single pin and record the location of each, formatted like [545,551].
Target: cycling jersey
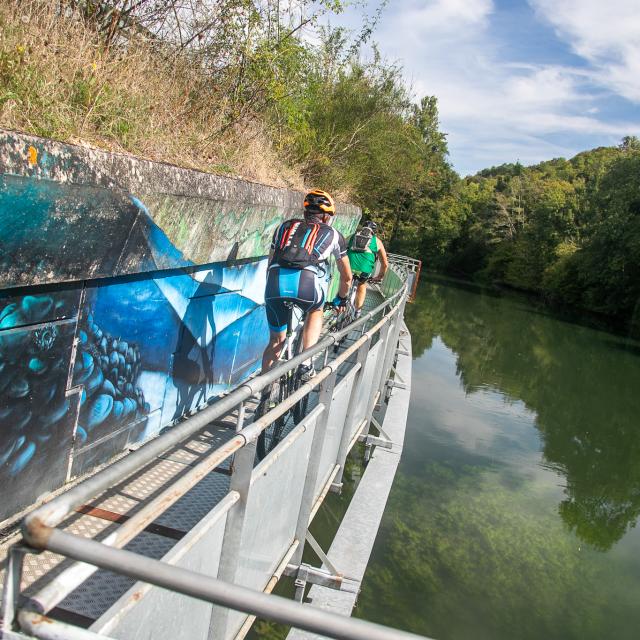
[298,286]
[328,242]
[306,287]
[364,261]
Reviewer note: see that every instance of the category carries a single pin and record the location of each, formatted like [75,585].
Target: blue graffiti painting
[35,425]
[90,367]
[108,368]
[151,351]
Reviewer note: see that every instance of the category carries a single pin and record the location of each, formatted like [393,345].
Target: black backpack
[361,240]
[295,243]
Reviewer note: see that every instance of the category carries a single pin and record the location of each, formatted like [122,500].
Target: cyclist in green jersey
[363,250]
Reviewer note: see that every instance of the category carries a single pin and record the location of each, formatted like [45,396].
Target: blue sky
[520,80]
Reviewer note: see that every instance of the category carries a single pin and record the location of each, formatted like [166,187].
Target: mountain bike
[282,388]
[348,314]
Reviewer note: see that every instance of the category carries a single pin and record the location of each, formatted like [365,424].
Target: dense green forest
[568,230]
[269,91]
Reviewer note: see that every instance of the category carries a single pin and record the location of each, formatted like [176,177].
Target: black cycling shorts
[299,286]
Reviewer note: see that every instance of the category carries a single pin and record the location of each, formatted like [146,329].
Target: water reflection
[583,392]
[519,484]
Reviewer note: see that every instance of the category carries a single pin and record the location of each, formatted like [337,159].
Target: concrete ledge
[92,214]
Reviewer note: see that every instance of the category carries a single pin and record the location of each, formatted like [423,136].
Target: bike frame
[292,333]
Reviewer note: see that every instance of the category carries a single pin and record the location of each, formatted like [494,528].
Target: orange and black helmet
[318,201]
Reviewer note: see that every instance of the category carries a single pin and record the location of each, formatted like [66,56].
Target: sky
[525,80]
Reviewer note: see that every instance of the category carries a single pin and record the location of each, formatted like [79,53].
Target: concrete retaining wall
[131,294]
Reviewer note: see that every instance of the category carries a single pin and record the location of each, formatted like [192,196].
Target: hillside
[233,87]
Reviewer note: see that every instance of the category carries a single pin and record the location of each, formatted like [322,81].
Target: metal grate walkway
[101,517]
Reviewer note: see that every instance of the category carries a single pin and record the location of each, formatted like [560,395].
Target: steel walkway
[79,595]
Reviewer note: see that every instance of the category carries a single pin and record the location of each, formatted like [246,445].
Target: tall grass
[57,79]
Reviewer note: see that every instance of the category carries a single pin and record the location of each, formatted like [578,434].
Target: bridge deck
[103,515]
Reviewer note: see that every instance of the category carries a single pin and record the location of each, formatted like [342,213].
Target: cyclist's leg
[361,294]
[273,349]
[312,291]
[312,328]
[276,319]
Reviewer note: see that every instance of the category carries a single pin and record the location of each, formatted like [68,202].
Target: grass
[57,80]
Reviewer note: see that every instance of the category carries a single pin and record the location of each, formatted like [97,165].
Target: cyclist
[298,273]
[364,248]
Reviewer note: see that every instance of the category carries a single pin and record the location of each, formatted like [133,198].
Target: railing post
[234,526]
[384,334]
[12,579]
[313,468]
[391,347]
[350,418]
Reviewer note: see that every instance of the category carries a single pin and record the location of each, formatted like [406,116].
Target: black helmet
[372,225]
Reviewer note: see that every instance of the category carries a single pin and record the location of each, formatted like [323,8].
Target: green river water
[513,512]
[514,508]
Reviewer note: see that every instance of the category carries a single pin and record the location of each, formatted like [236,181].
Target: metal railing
[412,267]
[231,542]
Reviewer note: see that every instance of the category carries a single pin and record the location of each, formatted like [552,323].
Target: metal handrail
[53,512]
[40,532]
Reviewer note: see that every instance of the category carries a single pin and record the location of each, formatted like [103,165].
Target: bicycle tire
[346,318]
[271,436]
[299,410]
[300,407]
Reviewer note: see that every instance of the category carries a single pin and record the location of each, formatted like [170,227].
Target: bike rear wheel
[270,437]
[300,408]
[345,319]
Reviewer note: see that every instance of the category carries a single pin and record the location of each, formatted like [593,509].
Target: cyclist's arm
[344,266]
[345,276]
[384,260]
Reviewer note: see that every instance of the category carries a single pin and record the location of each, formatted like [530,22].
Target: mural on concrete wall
[67,192]
[149,349]
[116,320]
[36,414]
[184,347]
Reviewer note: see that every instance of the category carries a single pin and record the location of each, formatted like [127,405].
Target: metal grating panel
[194,450]
[195,504]
[129,616]
[41,568]
[103,588]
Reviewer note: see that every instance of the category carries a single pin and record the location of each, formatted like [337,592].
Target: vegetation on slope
[243,87]
[233,86]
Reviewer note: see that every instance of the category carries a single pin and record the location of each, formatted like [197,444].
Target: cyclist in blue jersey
[298,273]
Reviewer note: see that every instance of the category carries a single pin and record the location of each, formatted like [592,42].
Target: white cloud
[605,33]
[497,109]
[444,16]
[494,109]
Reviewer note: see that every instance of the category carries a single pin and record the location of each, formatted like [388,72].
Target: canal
[514,509]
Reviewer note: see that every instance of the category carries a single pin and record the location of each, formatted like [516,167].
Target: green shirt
[364,261]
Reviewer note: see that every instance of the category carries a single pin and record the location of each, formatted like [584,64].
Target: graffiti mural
[116,322]
[36,414]
[154,350]
[91,369]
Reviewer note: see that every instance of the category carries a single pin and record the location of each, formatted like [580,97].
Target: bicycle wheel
[345,319]
[272,435]
[299,410]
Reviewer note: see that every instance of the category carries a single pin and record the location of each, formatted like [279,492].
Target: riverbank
[568,312]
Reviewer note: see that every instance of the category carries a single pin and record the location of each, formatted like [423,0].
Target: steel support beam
[313,468]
